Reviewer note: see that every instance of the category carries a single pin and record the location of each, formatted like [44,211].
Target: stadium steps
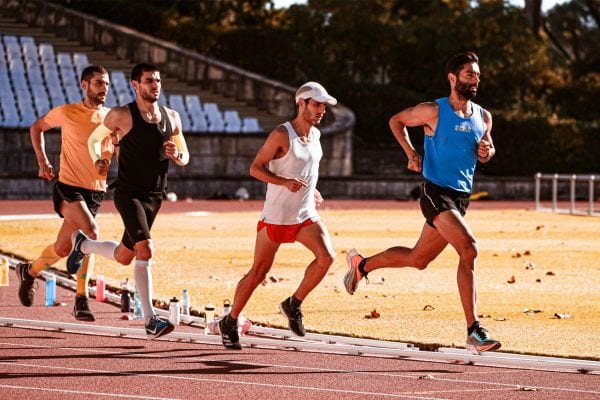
[9,26]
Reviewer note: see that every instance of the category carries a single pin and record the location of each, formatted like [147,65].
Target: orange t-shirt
[77,123]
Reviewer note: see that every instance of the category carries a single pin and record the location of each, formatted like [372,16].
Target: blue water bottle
[138,311]
[50,289]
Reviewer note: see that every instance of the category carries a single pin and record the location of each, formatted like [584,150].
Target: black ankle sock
[294,302]
[361,267]
[472,327]
[230,321]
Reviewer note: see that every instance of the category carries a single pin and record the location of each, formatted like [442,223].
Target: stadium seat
[233,123]
[250,125]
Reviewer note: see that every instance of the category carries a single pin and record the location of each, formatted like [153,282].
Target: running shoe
[294,316]
[76,257]
[81,309]
[157,327]
[353,275]
[479,340]
[229,334]
[26,281]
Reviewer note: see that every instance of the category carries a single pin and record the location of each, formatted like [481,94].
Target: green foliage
[380,56]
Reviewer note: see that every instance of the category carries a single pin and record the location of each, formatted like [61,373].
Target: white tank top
[283,207]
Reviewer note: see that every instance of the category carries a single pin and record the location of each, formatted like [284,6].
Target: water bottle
[185,302]
[138,311]
[100,286]
[125,297]
[226,307]
[174,311]
[50,289]
[209,312]
[3,271]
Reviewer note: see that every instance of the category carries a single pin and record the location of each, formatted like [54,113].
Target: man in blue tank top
[457,135]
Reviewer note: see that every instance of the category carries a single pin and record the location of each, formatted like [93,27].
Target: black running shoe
[479,340]
[294,316]
[26,281]
[157,327]
[229,335]
[81,309]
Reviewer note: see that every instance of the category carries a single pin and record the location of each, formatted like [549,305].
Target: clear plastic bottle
[185,302]
[50,289]
[138,311]
[125,296]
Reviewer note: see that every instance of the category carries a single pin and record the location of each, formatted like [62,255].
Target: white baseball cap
[314,90]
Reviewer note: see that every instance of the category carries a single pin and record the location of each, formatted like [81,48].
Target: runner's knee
[326,260]
[469,251]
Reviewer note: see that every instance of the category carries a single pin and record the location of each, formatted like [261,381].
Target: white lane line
[18,217]
[44,389]
[501,385]
[228,381]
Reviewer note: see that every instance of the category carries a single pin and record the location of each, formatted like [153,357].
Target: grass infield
[538,275]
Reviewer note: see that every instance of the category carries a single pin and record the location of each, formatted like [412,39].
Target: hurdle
[572,179]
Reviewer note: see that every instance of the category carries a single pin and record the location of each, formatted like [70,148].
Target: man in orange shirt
[80,187]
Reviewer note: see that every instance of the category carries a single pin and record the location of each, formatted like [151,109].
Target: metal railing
[572,180]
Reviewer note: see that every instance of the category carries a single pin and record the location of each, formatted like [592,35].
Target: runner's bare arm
[176,148]
[485,148]
[423,114]
[276,146]
[113,122]
[36,131]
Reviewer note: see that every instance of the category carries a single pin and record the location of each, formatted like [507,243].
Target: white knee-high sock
[106,248]
[143,282]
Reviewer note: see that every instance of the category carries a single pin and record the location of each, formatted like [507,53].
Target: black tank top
[143,164]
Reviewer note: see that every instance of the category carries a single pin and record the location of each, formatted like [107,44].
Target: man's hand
[102,166]
[415,162]
[318,198]
[483,149]
[171,149]
[295,184]
[46,171]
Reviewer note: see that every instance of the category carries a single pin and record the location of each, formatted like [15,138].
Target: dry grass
[209,254]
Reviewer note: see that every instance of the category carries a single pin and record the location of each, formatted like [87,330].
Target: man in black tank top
[150,136]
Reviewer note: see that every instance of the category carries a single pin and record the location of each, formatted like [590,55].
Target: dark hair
[456,62]
[138,70]
[89,71]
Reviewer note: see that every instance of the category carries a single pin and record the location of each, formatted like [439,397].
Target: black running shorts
[63,192]
[138,212]
[436,199]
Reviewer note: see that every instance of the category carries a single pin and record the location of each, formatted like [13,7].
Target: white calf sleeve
[106,248]
[143,282]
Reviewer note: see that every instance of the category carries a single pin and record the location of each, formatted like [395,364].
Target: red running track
[38,364]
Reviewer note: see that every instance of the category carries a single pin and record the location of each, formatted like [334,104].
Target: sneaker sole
[87,318]
[348,275]
[164,332]
[490,347]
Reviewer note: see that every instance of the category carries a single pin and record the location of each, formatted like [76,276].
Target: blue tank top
[451,153]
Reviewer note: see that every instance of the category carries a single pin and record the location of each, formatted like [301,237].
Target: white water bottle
[174,317]
[226,307]
[185,302]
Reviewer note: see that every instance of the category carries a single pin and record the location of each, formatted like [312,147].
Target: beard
[467,91]
[96,98]
[149,97]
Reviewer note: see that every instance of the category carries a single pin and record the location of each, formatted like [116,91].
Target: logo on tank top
[463,127]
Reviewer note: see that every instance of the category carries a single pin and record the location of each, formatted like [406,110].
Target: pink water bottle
[100,286]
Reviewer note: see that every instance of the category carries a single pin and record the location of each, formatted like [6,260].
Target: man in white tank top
[289,163]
